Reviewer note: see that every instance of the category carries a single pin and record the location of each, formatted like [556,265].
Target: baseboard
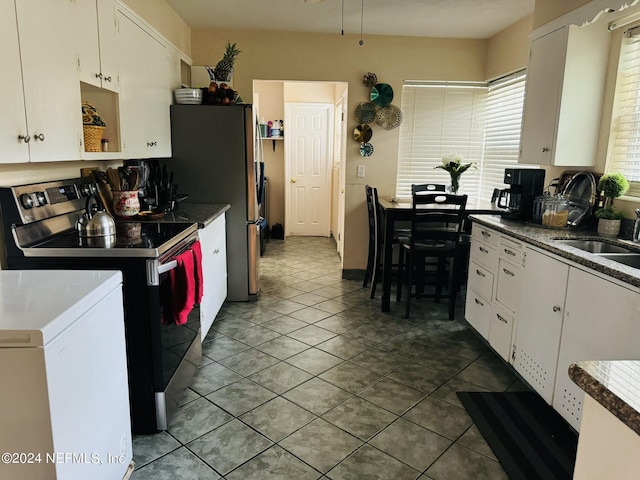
[353,274]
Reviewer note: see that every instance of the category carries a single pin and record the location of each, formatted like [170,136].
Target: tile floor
[313,381]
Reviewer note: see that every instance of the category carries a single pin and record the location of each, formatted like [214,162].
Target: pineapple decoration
[224,68]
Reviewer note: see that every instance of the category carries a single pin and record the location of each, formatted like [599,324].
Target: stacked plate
[188,96]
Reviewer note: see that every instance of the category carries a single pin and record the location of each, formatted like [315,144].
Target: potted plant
[612,185]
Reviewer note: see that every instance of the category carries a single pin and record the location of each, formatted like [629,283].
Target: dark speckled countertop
[544,238]
[613,384]
[201,213]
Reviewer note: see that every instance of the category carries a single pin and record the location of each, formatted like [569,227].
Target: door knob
[293,180]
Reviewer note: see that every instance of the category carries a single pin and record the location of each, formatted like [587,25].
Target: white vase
[608,228]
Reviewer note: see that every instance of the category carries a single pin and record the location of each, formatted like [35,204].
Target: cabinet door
[145,93]
[542,294]
[214,269]
[508,284]
[601,322]
[13,121]
[108,40]
[500,331]
[544,85]
[50,79]
[477,312]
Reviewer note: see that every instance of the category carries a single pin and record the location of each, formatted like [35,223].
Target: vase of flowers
[452,163]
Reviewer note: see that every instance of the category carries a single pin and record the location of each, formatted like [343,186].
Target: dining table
[400,210]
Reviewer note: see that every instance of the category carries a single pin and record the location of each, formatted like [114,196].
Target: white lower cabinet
[214,269]
[477,311]
[601,322]
[544,283]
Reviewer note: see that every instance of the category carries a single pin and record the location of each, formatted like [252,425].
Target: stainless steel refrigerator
[216,159]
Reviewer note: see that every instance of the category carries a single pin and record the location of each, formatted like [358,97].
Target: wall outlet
[360,171]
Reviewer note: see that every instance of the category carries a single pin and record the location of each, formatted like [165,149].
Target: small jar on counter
[105,144]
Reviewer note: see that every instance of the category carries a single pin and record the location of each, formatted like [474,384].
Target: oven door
[176,348]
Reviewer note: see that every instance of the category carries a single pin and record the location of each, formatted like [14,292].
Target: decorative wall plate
[366,112]
[382,94]
[370,79]
[362,133]
[366,149]
[389,117]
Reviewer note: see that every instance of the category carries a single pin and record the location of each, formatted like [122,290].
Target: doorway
[307,169]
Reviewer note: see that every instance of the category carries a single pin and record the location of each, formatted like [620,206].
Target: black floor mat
[530,439]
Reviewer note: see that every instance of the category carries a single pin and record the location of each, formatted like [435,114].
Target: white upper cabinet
[564,92]
[96,43]
[49,78]
[13,122]
[145,92]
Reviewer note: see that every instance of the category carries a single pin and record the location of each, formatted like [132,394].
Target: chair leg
[374,279]
[400,273]
[442,263]
[410,267]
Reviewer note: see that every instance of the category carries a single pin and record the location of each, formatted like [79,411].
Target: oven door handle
[155,269]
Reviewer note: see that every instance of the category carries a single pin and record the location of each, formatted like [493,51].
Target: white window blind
[482,122]
[438,119]
[625,151]
[505,103]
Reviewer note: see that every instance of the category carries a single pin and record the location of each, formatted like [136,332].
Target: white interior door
[308,150]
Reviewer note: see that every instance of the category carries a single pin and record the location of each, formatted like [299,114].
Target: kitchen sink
[630,259]
[595,246]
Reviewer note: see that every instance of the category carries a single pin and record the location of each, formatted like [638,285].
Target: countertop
[544,238]
[201,213]
[613,384]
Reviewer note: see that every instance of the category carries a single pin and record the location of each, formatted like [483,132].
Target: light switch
[360,171]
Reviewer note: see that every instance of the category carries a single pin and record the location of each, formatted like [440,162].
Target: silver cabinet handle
[99,75]
[545,149]
[556,308]
[24,138]
[509,252]
[478,302]
[485,234]
[508,272]
[480,273]
[216,251]
[39,136]
[483,250]
[152,144]
[107,79]
[501,319]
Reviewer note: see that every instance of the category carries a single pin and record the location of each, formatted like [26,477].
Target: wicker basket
[92,138]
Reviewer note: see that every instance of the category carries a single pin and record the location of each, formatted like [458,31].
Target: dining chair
[427,187]
[374,238]
[436,226]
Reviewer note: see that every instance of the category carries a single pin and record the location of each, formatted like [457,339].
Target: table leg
[389,226]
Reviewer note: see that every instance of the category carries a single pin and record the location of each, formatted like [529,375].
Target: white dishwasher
[64,406]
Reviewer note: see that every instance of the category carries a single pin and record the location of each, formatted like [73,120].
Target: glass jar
[555,211]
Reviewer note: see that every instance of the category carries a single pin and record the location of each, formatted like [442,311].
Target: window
[479,121]
[625,131]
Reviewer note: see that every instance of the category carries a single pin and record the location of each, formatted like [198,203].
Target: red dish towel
[199,278]
[183,287]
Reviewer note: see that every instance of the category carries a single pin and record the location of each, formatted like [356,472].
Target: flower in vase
[452,163]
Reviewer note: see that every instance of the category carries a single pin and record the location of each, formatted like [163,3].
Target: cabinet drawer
[481,281]
[508,284]
[500,331]
[483,254]
[477,311]
[510,250]
[485,235]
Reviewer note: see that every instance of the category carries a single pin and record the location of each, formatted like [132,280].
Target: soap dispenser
[636,227]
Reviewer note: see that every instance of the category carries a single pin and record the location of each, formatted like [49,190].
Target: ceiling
[419,18]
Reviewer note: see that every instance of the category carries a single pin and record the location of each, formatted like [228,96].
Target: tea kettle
[98,224]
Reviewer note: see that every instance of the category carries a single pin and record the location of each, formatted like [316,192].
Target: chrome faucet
[636,227]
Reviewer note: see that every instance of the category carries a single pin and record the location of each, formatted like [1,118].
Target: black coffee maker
[525,185]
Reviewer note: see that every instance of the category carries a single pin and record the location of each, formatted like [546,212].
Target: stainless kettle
[98,224]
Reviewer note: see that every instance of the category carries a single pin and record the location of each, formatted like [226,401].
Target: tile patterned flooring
[313,381]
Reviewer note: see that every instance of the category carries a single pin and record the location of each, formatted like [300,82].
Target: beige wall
[547,10]
[330,57]
[165,20]
[502,57]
